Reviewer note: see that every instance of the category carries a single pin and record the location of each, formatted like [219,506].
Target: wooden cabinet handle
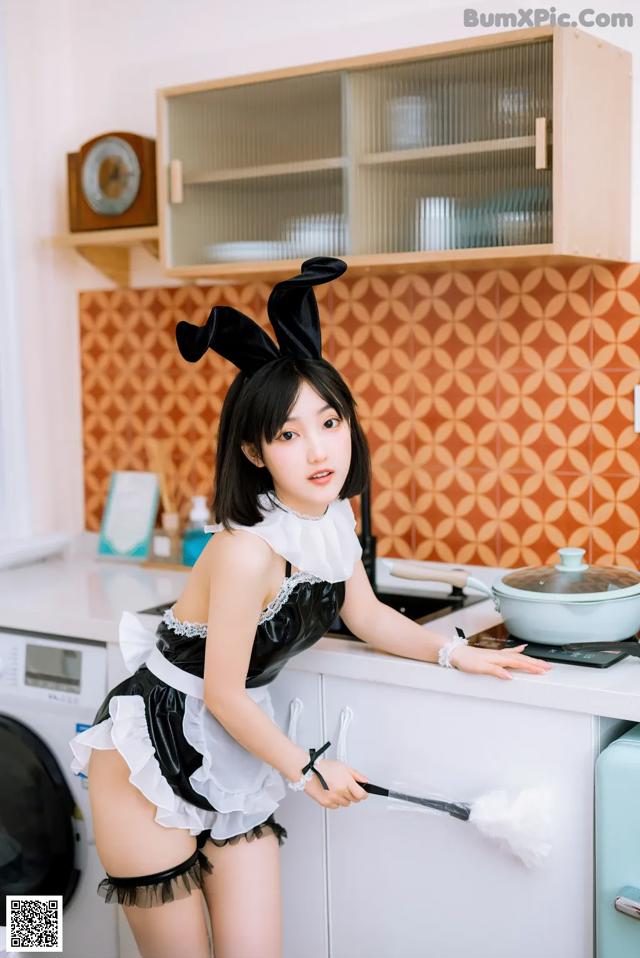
[541,143]
[175,181]
[458,578]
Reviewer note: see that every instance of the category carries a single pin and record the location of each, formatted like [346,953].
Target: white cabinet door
[414,884]
[304,886]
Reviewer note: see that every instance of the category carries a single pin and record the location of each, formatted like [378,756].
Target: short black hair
[254,410]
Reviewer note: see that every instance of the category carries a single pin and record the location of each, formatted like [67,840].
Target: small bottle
[195,538]
[166,544]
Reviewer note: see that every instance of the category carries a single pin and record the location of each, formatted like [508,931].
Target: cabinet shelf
[109,250]
[499,257]
[448,150]
[269,169]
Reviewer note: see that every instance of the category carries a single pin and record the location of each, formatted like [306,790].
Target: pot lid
[571,578]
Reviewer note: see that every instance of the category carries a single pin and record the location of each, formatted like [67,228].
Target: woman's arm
[381,626]
[389,631]
[240,566]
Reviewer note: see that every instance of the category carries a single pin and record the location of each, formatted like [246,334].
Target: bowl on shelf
[436,223]
[411,122]
[320,234]
[241,250]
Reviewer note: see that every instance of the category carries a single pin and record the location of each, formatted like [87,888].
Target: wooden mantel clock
[112,183]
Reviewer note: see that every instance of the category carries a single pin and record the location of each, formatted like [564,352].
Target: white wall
[81,67]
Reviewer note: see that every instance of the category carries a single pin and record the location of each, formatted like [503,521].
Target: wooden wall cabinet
[503,148]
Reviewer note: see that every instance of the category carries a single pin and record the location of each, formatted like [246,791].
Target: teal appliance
[618,848]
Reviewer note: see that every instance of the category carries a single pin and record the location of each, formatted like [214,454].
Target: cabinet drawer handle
[295,709]
[628,901]
[541,143]
[345,720]
[175,181]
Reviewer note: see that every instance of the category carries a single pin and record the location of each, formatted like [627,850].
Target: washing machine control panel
[51,669]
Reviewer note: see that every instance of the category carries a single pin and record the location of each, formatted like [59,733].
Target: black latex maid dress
[180,757]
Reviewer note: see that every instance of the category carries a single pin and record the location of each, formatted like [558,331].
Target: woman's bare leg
[244,898]
[129,844]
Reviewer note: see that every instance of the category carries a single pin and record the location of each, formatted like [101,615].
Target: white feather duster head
[521,822]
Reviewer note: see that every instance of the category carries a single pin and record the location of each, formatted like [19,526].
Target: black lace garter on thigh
[146,891]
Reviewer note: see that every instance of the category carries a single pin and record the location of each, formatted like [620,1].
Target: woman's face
[314,439]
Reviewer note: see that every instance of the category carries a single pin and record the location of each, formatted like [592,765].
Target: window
[15,519]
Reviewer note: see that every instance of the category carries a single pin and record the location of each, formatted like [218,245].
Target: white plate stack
[435,222]
[321,234]
[242,250]
[412,122]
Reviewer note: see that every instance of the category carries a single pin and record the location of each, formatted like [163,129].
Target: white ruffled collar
[326,545]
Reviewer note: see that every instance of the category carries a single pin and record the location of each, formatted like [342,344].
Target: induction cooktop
[498,638]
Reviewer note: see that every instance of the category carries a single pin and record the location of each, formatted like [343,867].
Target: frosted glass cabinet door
[418,884]
[255,171]
[302,856]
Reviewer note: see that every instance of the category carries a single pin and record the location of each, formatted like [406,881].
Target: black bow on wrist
[313,754]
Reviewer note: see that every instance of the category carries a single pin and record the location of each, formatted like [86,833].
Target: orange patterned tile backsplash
[498,405]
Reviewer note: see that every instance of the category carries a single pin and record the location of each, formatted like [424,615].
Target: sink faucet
[367,540]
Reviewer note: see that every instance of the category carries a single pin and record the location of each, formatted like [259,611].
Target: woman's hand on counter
[468,658]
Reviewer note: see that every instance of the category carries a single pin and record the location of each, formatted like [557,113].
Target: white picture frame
[129,515]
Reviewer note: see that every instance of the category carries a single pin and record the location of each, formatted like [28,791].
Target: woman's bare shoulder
[240,548]
[227,558]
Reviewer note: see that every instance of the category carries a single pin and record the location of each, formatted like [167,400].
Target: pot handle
[455,577]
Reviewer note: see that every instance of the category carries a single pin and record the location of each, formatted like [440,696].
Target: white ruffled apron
[242,788]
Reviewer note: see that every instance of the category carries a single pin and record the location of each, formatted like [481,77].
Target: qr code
[34,923]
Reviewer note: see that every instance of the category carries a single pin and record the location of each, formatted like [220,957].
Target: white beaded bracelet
[300,784]
[444,654]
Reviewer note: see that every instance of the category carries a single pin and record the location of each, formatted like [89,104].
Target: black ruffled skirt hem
[256,832]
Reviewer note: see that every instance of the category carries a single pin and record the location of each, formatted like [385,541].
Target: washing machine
[50,688]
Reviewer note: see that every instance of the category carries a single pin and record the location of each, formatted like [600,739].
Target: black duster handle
[456,809]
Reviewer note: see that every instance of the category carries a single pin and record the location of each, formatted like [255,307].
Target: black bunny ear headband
[293,313]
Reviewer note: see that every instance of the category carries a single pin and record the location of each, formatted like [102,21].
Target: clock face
[110,176]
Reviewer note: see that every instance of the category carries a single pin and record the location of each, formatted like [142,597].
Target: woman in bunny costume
[186,764]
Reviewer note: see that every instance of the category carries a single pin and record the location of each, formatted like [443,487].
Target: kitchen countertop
[81,595]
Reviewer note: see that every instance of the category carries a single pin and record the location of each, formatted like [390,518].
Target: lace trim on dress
[284,592]
[191,629]
[181,627]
